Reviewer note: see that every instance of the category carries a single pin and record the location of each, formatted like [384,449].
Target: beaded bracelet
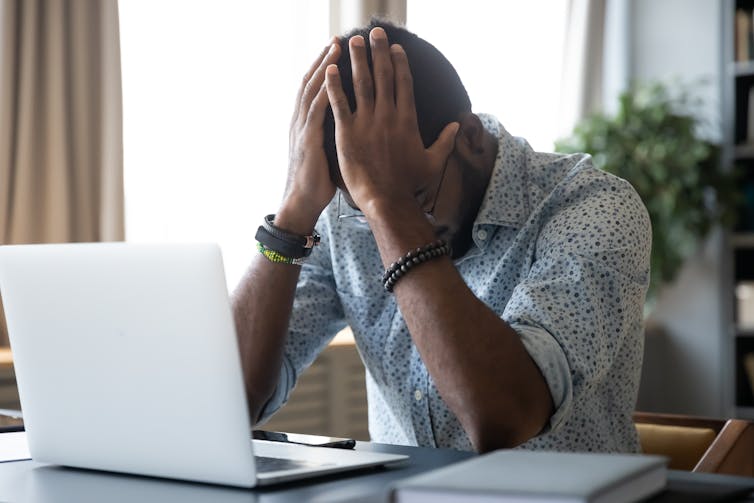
[278,258]
[399,268]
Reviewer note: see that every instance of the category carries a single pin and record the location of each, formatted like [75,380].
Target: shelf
[744,151]
[742,240]
[744,412]
[738,89]
[742,68]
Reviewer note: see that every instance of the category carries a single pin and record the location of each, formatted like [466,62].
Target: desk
[30,482]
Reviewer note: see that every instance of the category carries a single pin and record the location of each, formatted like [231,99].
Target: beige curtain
[582,77]
[348,14]
[61,159]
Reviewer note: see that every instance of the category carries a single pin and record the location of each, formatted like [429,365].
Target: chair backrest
[699,444]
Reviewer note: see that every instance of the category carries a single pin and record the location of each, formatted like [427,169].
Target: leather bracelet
[305,241]
[403,265]
[283,242]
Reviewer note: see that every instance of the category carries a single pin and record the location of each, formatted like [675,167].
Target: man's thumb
[446,141]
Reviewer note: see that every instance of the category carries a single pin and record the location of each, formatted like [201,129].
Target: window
[509,55]
[208,92]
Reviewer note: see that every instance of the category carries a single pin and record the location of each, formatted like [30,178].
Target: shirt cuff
[280,395]
[552,362]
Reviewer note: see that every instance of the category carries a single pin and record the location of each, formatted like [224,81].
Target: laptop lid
[126,359]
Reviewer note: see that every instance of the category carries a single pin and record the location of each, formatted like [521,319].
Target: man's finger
[445,142]
[340,108]
[382,69]
[308,75]
[318,77]
[317,111]
[362,77]
[404,83]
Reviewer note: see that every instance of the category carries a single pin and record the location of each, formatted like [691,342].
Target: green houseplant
[654,142]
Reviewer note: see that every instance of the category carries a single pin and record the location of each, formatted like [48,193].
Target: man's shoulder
[547,170]
[571,182]
[575,174]
[587,181]
[562,178]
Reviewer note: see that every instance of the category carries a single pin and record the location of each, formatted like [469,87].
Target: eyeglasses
[346,212]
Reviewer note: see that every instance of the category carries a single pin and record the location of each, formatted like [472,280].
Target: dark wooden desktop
[27,481]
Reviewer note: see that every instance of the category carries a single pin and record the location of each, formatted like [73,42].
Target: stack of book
[744,36]
[536,476]
[749,369]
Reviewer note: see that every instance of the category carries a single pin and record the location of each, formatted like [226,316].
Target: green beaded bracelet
[278,258]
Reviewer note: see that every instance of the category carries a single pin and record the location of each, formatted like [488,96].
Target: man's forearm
[481,368]
[263,301]
[262,306]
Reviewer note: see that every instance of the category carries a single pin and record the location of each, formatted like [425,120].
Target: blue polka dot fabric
[561,252]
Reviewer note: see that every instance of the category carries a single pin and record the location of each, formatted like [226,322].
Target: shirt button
[482,234]
[418,395]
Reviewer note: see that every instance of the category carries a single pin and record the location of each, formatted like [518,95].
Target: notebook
[539,477]
[126,360]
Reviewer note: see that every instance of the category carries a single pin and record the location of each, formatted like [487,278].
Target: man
[527,333]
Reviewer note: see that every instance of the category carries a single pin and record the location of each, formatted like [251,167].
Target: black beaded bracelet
[399,268]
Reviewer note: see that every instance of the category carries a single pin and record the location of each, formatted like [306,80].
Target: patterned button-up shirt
[560,251]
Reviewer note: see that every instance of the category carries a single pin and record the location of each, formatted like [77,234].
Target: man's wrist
[390,207]
[296,221]
[398,226]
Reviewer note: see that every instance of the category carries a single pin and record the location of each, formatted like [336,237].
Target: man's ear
[470,139]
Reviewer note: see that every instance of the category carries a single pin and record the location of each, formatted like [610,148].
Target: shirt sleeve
[316,317]
[583,297]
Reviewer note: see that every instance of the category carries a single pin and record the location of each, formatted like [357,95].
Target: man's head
[439,94]
[456,191]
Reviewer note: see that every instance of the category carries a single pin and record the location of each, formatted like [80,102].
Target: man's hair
[439,94]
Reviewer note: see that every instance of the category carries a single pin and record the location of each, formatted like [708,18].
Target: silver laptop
[127,361]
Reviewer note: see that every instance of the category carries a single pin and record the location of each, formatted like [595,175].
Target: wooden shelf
[6,357]
[742,69]
[744,152]
[742,240]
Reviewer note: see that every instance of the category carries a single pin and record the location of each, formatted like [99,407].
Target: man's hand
[485,375]
[263,300]
[380,150]
[309,188]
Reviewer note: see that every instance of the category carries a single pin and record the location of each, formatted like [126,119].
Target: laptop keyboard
[265,464]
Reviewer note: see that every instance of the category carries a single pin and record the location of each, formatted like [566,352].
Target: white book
[517,476]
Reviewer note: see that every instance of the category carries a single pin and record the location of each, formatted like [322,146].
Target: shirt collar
[505,202]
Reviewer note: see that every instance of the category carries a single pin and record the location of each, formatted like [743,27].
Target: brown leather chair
[698,444]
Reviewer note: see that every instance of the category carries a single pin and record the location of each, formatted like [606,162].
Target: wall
[684,352]
[679,39]
[684,372]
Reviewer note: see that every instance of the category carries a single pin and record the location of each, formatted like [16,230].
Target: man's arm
[263,300]
[262,305]
[484,373]
[477,361]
